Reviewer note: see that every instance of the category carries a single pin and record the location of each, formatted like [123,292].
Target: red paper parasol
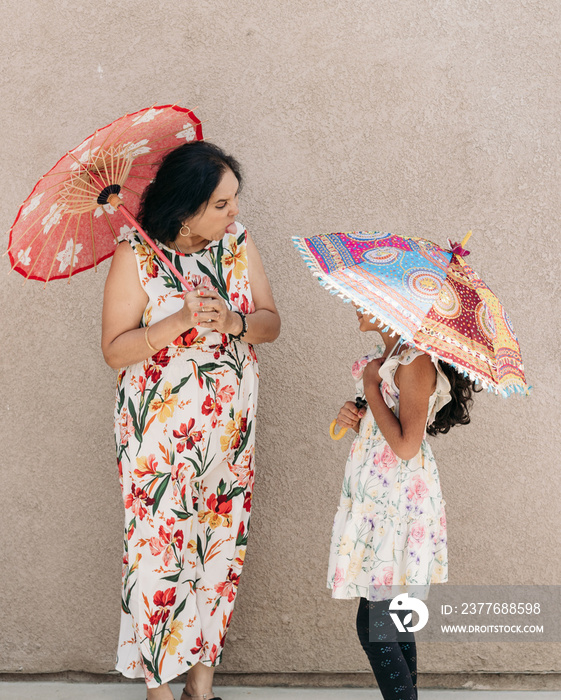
[69,222]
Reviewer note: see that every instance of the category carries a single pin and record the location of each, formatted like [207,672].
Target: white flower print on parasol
[69,255]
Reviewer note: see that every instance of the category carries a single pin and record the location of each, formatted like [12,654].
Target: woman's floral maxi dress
[184,428]
[389,532]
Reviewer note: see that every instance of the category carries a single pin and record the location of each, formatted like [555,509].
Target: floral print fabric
[184,432]
[390,527]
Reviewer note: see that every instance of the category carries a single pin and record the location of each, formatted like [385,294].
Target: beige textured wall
[420,117]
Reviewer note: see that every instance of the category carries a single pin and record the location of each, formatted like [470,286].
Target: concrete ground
[118,691]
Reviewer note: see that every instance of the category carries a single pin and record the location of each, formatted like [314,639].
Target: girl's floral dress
[390,527]
[184,430]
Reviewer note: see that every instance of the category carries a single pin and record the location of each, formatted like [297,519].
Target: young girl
[390,527]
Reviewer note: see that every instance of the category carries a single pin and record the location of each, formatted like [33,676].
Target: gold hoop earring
[185,235]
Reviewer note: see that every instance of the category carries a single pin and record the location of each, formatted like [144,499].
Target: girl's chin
[366,326]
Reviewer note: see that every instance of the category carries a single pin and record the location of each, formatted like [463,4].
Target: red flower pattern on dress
[186,339]
[155,617]
[165,542]
[241,532]
[198,646]
[212,407]
[127,427]
[219,504]
[219,511]
[137,501]
[204,280]
[244,305]
[243,472]
[165,600]
[220,349]
[224,394]
[229,588]
[186,436]
[155,364]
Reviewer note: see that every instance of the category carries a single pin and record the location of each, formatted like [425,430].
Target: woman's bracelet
[154,350]
[244,327]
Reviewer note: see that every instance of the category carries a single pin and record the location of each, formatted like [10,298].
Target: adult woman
[185,415]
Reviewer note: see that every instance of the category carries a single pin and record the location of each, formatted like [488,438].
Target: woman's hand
[349,416]
[195,310]
[371,374]
[212,312]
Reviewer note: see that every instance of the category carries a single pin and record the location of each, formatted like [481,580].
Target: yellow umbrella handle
[334,435]
[466,239]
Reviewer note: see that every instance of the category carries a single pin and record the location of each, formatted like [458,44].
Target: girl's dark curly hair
[184,183]
[456,411]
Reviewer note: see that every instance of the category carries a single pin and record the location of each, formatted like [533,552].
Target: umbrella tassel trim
[335,291]
[347,296]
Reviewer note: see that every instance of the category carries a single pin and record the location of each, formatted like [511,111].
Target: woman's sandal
[198,697]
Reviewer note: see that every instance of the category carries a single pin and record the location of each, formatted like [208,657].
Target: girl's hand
[349,416]
[371,374]
[214,313]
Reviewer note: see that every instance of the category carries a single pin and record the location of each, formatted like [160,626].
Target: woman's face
[217,218]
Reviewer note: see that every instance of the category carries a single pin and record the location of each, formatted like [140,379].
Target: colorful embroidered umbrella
[428,295]
[69,222]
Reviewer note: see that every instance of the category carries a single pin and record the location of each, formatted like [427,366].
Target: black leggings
[394,663]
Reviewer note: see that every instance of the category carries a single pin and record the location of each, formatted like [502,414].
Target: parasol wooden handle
[334,435]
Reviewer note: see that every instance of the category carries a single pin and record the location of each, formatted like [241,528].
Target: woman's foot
[198,685]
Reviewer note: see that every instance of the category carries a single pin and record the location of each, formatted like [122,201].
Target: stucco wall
[418,117]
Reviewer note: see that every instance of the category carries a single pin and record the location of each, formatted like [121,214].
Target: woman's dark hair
[456,411]
[184,182]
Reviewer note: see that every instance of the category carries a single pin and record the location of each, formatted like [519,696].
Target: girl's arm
[416,384]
